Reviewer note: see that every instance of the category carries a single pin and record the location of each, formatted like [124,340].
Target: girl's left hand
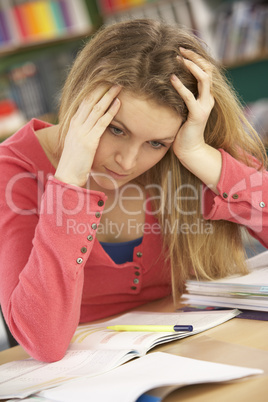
[190,137]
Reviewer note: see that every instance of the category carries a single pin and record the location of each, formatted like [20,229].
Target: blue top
[121,252]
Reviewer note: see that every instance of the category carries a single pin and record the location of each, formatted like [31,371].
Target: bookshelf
[241,38]
[30,23]
[38,41]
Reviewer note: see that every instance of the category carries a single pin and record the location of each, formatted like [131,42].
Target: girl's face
[138,137]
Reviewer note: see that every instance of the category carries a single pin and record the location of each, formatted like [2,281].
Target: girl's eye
[156,144]
[115,130]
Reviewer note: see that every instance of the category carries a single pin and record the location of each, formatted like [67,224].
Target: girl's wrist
[205,163]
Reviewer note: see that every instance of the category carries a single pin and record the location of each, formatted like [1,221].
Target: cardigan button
[97,214]
[79,260]
[262,204]
[136,281]
[83,250]
[94,226]
[235,196]
[139,254]
[133,287]
[90,238]
[225,195]
[100,203]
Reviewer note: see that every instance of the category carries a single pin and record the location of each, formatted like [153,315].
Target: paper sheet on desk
[22,378]
[126,383]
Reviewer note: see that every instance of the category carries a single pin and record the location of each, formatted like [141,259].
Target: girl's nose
[127,158]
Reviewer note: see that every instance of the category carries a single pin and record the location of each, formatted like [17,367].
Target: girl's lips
[115,175]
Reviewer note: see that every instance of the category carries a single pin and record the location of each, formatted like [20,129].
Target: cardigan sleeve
[42,258]
[242,198]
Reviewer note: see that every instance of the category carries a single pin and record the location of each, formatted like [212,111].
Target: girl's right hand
[86,128]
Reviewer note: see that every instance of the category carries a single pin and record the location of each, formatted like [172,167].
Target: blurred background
[40,38]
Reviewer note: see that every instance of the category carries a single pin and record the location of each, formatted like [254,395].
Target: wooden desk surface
[238,342]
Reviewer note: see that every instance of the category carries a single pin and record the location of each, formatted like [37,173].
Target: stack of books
[241,30]
[249,292]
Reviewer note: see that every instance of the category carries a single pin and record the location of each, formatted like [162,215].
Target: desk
[238,341]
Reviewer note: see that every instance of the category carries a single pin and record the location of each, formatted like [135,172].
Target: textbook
[249,292]
[95,350]
[150,378]
[155,375]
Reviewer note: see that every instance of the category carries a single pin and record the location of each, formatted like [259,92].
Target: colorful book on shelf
[119,5]
[58,16]
[10,34]
[4,31]
[43,18]
[113,6]
[81,21]
[105,6]
[2,36]
[30,21]
[19,15]
[134,3]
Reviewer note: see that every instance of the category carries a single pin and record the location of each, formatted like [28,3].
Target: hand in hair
[86,128]
[189,145]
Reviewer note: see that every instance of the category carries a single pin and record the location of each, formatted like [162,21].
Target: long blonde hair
[140,55]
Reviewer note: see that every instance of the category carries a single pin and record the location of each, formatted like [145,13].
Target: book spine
[30,20]
[9,25]
[4,31]
[19,17]
[202,18]
[65,12]
[57,15]
[81,21]
[42,14]
[105,6]
[265,30]
[120,5]
[113,6]
[255,34]
[134,3]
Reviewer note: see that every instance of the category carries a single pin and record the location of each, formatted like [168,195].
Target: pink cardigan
[54,272]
